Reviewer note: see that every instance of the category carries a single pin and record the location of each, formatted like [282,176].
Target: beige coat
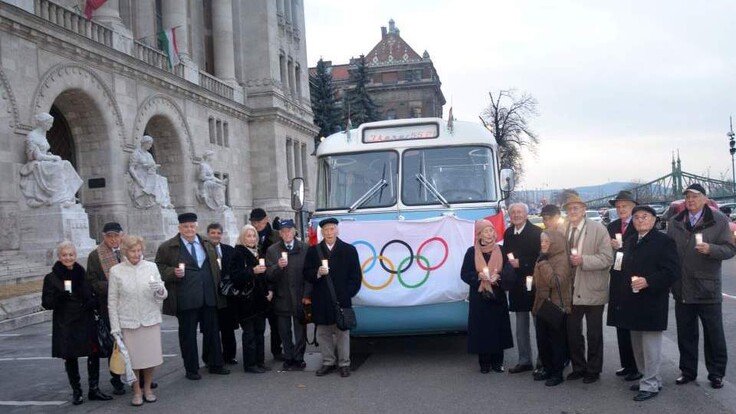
[131,301]
[590,286]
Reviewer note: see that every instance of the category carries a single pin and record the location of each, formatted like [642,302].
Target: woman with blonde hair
[135,296]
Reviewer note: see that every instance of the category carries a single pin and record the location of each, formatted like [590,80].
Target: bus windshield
[450,174]
[357,180]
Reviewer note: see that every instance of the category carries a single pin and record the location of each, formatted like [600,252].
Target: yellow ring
[391,275]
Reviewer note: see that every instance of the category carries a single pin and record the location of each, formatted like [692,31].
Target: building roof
[392,49]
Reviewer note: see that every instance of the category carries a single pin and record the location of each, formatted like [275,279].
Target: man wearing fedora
[188,267]
[591,256]
[703,241]
[623,227]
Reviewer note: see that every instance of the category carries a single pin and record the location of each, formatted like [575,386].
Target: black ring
[411,254]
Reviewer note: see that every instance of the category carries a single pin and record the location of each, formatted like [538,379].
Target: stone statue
[146,187]
[46,179]
[211,190]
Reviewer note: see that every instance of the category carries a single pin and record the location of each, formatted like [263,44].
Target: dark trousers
[625,351]
[273,323]
[227,324]
[594,322]
[293,348]
[490,359]
[206,317]
[71,366]
[253,341]
[552,347]
[714,340]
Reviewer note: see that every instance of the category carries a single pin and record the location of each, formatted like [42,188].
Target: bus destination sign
[400,133]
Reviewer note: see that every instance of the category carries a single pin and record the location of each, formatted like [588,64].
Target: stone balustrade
[215,85]
[153,57]
[73,21]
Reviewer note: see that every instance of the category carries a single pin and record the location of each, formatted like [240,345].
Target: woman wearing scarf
[489,326]
[552,267]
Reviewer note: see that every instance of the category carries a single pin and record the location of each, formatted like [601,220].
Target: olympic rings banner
[407,263]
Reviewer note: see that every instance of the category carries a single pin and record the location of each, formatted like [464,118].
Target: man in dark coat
[188,267]
[650,264]
[267,236]
[343,269]
[704,241]
[521,249]
[621,228]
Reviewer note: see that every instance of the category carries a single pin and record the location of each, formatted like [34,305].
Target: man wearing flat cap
[620,231]
[704,241]
[551,217]
[591,256]
[343,270]
[285,271]
[188,267]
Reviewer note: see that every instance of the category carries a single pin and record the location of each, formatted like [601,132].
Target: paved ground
[396,375]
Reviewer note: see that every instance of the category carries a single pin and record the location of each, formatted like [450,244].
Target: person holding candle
[697,293]
[342,269]
[650,265]
[68,294]
[248,272]
[489,325]
[284,269]
[590,256]
[135,296]
[620,230]
[193,296]
[521,248]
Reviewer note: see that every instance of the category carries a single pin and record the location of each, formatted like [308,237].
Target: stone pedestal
[42,228]
[155,225]
[226,218]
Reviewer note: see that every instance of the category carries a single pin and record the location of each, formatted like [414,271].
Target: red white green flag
[168,43]
[92,5]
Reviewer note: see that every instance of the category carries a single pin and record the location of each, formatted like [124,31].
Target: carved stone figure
[211,190]
[46,179]
[147,188]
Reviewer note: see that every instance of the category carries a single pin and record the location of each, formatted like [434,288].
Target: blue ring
[373,250]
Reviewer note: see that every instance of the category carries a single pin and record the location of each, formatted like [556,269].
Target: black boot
[72,372]
[93,375]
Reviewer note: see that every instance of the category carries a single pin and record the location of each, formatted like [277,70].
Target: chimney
[383,32]
[391,26]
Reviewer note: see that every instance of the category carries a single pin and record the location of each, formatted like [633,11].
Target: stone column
[109,15]
[175,15]
[222,33]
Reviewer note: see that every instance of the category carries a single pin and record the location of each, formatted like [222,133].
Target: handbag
[305,315]
[105,340]
[344,317]
[550,312]
[117,361]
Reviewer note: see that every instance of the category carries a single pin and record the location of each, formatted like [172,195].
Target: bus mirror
[297,193]
[507,180]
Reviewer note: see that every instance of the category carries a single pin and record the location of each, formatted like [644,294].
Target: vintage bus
[406,193]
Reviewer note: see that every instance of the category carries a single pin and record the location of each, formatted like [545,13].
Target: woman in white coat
[135,296]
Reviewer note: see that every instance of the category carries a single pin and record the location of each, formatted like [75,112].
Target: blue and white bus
[406,193]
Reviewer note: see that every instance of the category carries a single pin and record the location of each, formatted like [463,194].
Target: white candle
[634,278]
[698,238]
[325,264]
[181,266]
[285,256]
[68,286]
[529,280]
[261,262]
[574,251]
[619,239]
[486,272]
[510,256]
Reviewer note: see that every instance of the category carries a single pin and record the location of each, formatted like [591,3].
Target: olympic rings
[373,251]
[444,259]
[405,244]
[390,278]
[421,282]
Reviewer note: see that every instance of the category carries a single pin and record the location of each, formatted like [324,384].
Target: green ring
[423,281]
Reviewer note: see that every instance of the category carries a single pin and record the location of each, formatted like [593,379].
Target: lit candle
[325,264]
[574,251]
[486,272]
[633,279]
[261,262]
[285,256]
[510,256]
[181,266]
[68,286]
[698,238]
[529,280]
[619,239]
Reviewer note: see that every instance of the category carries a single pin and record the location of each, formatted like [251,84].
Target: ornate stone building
[403,83]
[240,90]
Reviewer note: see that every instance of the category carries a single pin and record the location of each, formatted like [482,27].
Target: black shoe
[485,370]
[154,385]
[716,383]
[264,367]
[231,361]
[633,376]
[279,357]
[253,370]
[645,395]
[553,381]
[97,395]
[684,379]
[219,371]
[193,376]
[591,378]
[77,397]
[520,368]
[497,368]
[325,369]
[575,376]
[622,371]
[344,372]
[118,391]
[541,376]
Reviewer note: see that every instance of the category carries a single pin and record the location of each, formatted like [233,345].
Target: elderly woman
[489,326]
[651,262]
[552,278]
[67,292]
[135,296]
[248,273]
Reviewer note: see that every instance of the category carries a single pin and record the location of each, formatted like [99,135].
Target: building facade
[239,90]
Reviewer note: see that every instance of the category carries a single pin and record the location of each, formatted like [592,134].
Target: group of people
[575,266]
[271,276]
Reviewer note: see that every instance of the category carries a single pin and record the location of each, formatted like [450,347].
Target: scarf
[495,262]
[253,251]
[107,258]
[77,275]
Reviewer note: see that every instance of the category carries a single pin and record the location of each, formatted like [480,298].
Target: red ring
[421,246]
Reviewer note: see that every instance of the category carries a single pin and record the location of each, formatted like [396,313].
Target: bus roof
[463,133]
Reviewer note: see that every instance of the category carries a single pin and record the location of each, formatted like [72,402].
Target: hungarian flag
[168,42]
[91,6]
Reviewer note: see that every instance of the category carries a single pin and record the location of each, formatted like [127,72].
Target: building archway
[168,152]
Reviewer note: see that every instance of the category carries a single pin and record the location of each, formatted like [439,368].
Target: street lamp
[732,144]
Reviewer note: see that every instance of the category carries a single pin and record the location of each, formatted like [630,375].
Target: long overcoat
[525,247]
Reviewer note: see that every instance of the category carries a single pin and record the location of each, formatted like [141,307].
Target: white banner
[408,263]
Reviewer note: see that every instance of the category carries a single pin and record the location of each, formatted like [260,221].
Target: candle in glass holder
[698,238]
[261,262]
[325,264]
[510,256]
[574,251]
[68,286]
[529,280]
[619,239]
[285,256]
[634,278]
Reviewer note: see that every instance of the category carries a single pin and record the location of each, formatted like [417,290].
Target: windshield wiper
[432,189]
[368,195]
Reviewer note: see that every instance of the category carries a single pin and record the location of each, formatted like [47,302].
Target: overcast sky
[620,85]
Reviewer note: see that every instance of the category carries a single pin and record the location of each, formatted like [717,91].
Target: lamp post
[732,144]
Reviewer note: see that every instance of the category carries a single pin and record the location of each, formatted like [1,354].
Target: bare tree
[507,117]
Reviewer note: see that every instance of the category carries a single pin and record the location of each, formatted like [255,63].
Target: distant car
[537,221]
[594,215]
[609,215]
[731,206]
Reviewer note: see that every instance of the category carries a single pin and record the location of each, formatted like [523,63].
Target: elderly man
[551,217]
[521,249]
[343,272]
[622,229]
[704,241]
[285,271]
[267,236]
[188,267]
[590,257]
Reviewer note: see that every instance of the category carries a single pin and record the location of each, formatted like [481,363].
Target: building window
[291,72]
[209,45]
[298,159]
[289,159]
[226,134]
[219,132]
[287,10]
[282,67]
[305,173]
[298,78]
[390,77]
[159,23]
[212,130]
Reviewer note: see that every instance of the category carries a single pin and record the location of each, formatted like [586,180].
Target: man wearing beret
[343,269]
[704,241]
[188,267]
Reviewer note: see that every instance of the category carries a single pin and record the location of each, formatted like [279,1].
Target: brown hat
[573,199]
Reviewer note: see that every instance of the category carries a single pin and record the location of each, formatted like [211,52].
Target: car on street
[537,221]
[594,215]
